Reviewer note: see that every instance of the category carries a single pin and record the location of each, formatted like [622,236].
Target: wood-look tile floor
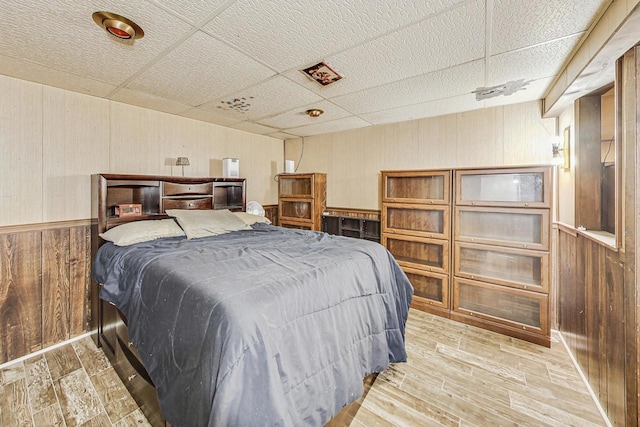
[456,375]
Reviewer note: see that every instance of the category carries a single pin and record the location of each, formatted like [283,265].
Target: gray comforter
[263,327]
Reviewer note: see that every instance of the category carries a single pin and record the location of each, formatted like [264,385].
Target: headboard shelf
[156,194]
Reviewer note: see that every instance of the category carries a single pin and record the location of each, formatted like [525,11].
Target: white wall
[508,135]
[53,140]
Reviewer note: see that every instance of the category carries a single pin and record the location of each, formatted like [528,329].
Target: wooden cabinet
[302,198]
[416,229]
[501,250]
[496,245]
[359,228]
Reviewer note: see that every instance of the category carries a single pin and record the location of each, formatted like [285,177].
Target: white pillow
[203,223]
[142,231]
[251,219]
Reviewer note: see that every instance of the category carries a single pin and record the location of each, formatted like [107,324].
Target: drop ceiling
[237,63]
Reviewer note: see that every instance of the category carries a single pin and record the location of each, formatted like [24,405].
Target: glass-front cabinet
[525,187]
[302,198]
[423,187]
[501,250]
[416,229]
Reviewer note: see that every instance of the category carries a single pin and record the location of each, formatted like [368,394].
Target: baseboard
[44,350]
[605,418]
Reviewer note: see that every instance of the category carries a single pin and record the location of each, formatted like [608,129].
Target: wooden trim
[41,226]
[566,228]
[355,213]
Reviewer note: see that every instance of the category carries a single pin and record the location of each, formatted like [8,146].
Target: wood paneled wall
[591,314]
[52,141]
[44,286]
[499,136]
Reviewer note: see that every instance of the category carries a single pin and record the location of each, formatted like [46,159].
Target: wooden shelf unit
[416,229]
[501,266]
[302,198]
[349,226]
[489,265]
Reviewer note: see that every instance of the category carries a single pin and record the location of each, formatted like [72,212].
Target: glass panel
[296,209]
[504,187]
[293,186]
[524,269]
[426,287]
[510,227]
[503,305]
[415,187]
[415,219]
[422,253]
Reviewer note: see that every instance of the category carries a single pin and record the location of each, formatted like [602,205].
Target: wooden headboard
[155,194]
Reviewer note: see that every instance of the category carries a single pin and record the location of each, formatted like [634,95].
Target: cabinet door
[424,187]
[416,220]
[294,224]
[517,268]
[520,228]
[524,187]
[517,308]
[421,253]
[430,289]
[299,185]
[296,209]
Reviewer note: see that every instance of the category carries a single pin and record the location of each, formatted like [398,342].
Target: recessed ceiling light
[314,112]
[118,26]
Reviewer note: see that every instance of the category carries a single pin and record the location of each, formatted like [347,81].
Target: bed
[251,325]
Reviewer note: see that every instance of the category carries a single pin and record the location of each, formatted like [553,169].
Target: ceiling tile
[531,92]
[63,35]
[199,70]
[208,116]
[330,126]
[192,11]
[303,32]
[297,116]
[524,23]
[544,60]
[146,100]
[449,39]
[271,97]
[427,87]
[254,128]
[427,109]
[40,74]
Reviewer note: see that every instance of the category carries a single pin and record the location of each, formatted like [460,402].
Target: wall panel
[55,286]
[75,144]
[498,136]
[20,151]
[20,294]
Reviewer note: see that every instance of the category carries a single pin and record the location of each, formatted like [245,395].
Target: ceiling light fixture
[314,112]
[118,26]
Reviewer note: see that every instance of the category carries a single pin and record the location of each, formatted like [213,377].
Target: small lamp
[182,161]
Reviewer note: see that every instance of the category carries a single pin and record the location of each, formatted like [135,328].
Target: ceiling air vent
[321,73]
[505,89]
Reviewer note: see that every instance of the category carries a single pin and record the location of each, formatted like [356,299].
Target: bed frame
[144,197]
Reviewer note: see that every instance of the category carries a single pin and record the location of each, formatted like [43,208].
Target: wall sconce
[560,149]
[182,161]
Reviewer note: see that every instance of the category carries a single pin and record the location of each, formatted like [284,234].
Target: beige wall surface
[500,136]
[53,140]
[565,203]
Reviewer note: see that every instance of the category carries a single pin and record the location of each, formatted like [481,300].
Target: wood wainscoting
[44,285]
[592,319]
